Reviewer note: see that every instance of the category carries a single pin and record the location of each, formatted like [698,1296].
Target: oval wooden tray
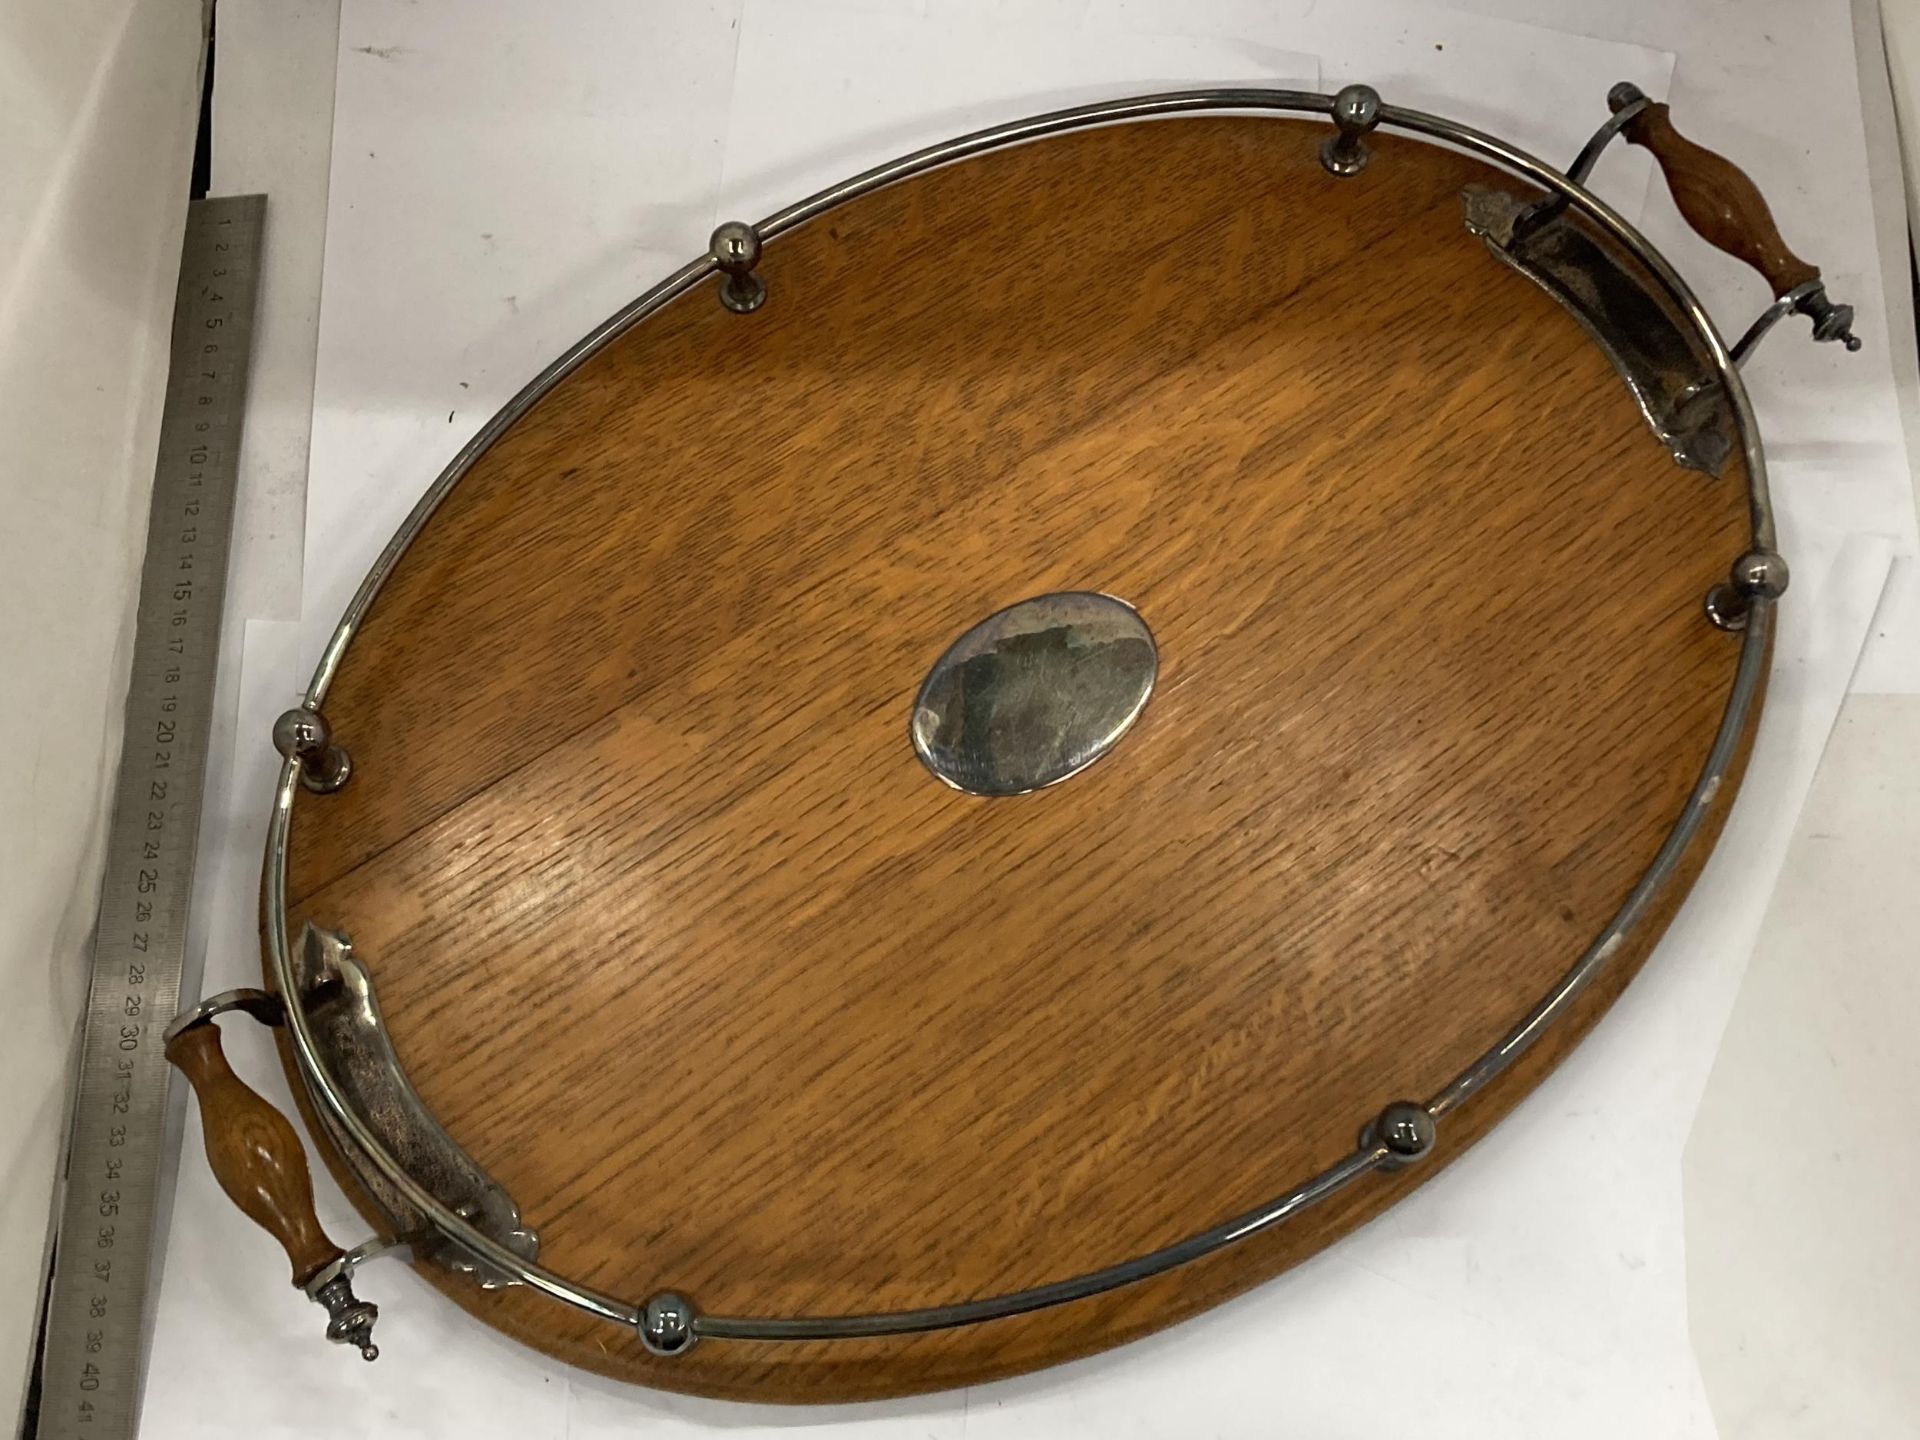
[679,940]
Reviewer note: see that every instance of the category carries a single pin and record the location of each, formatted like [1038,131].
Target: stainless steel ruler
[93,1350]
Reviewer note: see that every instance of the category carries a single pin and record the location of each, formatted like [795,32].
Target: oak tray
[1059,726]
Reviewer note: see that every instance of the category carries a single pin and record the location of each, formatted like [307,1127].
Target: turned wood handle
[1719,200]
[254,1152]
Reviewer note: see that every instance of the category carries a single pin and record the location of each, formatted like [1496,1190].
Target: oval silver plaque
[1035,693]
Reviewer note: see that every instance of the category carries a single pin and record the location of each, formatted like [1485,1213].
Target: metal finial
[666,1325]
[1831,320]
[1759,574]
[1356,110]
[349,1318]
[304,737]
[735,248]
[1623,94]
[1407,1130]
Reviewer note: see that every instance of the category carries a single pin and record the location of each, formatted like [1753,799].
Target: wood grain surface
[1719,200]
[687,949]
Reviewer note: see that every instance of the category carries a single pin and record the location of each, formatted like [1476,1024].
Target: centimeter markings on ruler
[95,1333]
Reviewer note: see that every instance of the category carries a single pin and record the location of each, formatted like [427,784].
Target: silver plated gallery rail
[1406,1131]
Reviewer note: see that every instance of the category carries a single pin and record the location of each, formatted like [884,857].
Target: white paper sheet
[824,91]
[1814,1291]
[1538,1286]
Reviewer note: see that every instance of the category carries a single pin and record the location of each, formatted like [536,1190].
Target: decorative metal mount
[1034,693]
[346,1018]
[735,248]
[1757,575]
[304,737]
[1356,110]
[1667,370]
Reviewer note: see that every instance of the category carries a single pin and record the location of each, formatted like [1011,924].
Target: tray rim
[1405,1132]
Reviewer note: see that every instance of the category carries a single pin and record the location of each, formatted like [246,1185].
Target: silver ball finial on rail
[304,737]
[735,247]
[666,1325]
[1406,1129]
[1757,575]
[1356,110]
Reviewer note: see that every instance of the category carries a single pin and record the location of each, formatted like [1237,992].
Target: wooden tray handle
[255,1154]
[1716,197]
